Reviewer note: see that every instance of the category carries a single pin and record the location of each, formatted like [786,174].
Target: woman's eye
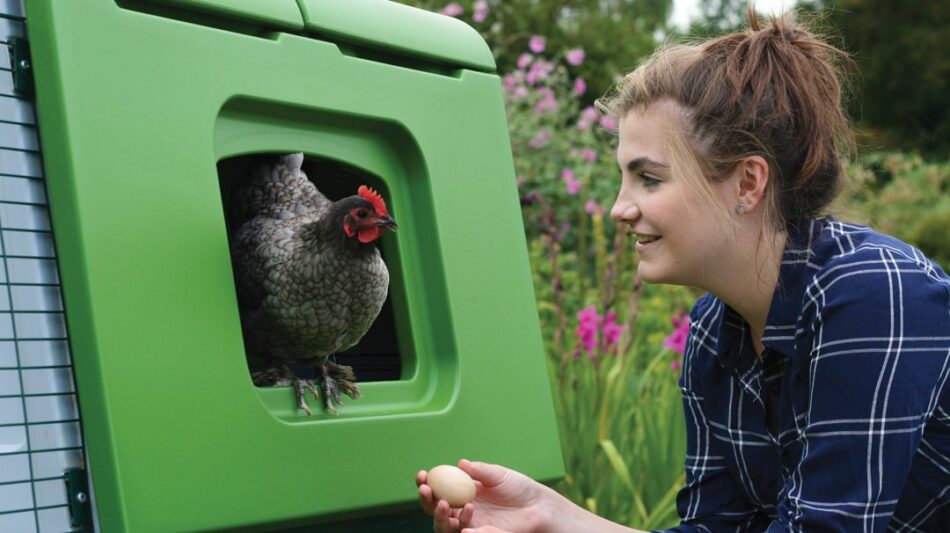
[649,180]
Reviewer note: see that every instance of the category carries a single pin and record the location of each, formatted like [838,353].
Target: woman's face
[680,235]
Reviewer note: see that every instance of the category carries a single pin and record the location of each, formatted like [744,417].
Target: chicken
[310,281]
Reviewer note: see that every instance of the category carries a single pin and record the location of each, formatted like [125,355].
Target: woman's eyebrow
[640,162]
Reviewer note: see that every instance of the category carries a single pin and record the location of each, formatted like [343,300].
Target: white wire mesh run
[40,434]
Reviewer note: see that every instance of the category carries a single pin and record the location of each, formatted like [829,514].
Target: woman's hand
[504,499]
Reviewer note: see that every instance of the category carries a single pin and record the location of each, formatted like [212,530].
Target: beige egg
[451,484]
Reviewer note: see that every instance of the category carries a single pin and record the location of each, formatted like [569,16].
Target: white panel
[6,326]
[8,354]
[16,189]
[18,136]
[16,163]
[28,243]
[35,298]
[54,520]
[17,216]
[43,353]
[11,412]
[16,497]
[49,493]
[13,438]
[47,381]
[19,522]
[53,464]
[51,408]
[32,271]
[14,468]
[40,325]
[14,109]
[9,383]
[54,436]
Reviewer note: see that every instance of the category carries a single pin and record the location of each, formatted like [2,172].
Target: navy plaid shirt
[845,423]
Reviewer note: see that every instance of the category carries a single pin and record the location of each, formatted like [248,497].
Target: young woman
[815,381]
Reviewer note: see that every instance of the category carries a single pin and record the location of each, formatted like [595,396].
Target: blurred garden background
[613,344]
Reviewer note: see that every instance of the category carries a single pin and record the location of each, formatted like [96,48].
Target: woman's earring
[741,209]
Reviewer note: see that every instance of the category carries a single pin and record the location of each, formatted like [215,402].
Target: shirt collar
[782,323]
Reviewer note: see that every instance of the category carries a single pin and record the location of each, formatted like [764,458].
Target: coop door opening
[375,356]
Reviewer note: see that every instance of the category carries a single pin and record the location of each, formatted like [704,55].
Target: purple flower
[480,10]
[540,70]
[575,56]
[524,60]
[540,139]
[588,117]
[676,365]
[519,93]
[676,341]
[536,44]
[588,155]
[580,87]
[452,10]
[608,123]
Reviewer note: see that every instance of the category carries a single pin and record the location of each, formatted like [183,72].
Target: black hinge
[22,67]
[77,491]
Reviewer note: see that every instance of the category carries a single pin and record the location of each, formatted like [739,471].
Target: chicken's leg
[336,379]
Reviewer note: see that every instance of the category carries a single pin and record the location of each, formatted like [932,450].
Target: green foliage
[902,195]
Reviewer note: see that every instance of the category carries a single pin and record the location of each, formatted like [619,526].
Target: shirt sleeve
[710,500]
[875,334]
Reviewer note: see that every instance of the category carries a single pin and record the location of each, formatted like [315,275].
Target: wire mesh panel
[40,435]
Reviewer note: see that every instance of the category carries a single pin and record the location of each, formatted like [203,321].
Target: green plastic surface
[283,14]
[399,28]
[135,111]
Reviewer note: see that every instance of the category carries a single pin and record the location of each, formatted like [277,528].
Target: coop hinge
[80,506]
[22,66]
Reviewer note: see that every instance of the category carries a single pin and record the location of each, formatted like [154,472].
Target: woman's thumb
[487,474]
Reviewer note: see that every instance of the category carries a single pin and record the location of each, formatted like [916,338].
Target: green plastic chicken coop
[142,108]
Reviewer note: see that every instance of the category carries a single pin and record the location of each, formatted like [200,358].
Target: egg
[451,484]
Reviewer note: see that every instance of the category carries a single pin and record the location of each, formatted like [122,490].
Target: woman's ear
[752,175]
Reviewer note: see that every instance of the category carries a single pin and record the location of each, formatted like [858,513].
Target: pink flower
[612,333]
[536,44]
[480,10]
[452,10]
[575,56]
[588,155]
[573,186]
[593,208]
[676,341]
[588,324]
[524,60]
[588,117]
[519,93]
[676,365]
[508,83]
[608,123]
[540,139]
[580,87]
[540,70]
[547,102]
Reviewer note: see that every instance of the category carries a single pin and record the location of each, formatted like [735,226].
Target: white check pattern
[845,423]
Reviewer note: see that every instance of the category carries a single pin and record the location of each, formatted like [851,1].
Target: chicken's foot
[336,380]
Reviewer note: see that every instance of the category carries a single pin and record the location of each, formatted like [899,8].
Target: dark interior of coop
[376,357]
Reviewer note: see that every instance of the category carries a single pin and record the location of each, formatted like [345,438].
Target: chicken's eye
[361,214]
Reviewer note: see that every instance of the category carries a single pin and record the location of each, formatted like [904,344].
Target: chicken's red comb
[374,198]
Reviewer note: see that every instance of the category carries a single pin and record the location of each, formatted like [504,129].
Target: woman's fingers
[487,474]
[426,499]
[444,519]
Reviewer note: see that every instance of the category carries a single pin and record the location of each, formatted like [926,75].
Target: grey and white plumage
[310,280]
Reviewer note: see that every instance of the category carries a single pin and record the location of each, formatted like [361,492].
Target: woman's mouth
[643,241]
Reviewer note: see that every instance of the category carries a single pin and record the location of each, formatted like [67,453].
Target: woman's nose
[624,209]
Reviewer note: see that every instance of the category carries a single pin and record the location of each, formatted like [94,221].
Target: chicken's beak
[387,222]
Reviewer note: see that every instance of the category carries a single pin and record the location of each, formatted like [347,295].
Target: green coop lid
[281,14]
[399,28]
